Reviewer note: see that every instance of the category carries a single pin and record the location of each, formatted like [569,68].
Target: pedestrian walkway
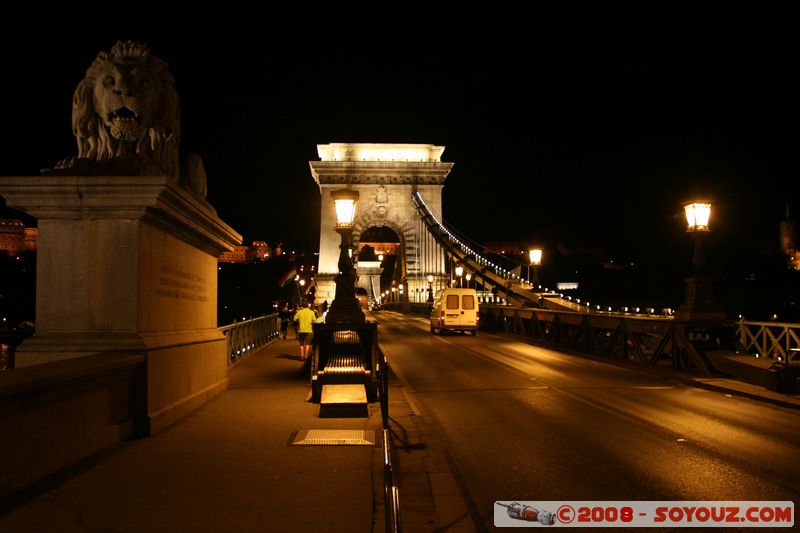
[231,466]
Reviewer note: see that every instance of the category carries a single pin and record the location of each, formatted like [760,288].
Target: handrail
[650,341]
[391,493]
[778,340]
[250,334]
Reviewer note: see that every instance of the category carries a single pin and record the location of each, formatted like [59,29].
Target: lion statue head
[126,109]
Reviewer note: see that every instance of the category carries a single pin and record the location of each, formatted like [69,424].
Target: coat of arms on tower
[378,198]
[381,196]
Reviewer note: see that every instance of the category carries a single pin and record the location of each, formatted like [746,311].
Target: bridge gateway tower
[386,176]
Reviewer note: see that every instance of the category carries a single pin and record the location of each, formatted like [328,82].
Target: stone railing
[244,337]
[56,414]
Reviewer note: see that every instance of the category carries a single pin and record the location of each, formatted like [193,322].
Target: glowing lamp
[535,255]
[345,202]
[697,216]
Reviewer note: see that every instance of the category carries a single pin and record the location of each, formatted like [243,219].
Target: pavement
[231,466]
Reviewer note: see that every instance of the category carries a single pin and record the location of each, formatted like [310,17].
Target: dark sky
[588,131]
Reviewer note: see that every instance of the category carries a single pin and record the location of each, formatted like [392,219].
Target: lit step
[344,401]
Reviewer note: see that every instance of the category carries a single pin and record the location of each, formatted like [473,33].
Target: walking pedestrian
[285,317]
[304,318]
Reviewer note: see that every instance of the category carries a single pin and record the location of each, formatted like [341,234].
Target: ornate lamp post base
[699,304]
[345,307]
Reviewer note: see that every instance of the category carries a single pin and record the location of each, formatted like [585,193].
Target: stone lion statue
[126,119]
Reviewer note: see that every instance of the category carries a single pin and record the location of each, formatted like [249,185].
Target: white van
[455,309]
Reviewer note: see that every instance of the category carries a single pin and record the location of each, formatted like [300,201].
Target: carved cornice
[379,172]
[155,199]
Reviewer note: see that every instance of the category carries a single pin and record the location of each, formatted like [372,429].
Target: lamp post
[699,304]
[459,273]
[430,288]
[345,307]
[535,255]
[469,277]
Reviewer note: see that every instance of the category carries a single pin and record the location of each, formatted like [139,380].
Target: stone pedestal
[699,304]
[326,288]
[128,264]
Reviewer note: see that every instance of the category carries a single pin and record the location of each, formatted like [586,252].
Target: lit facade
[15,238]
[257,251]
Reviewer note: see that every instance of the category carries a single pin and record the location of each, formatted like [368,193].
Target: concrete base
[343,401]
[182,378]
[128,264]
[184,370]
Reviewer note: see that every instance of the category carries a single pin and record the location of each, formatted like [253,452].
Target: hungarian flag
[288,277]
[313,283]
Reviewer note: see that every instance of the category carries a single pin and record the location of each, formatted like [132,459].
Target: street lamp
[430,288]
[535,255]
[469,277]
[699,304]
[697,217]
[345,307]
[459,272]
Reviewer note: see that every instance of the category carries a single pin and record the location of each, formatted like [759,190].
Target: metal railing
[649,341]
[391,493]
[243,337]
[777,340]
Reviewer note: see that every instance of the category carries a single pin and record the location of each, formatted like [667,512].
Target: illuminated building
[257,251]
[16,238]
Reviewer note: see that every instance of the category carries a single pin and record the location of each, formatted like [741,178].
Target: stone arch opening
[382,248]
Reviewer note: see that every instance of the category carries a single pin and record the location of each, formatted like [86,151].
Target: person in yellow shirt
[304,318]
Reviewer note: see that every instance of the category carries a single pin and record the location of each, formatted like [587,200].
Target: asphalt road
[527,423]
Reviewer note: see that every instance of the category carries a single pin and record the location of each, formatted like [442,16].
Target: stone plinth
[699,305]
[128,264]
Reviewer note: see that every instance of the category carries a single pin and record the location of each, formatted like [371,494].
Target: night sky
[587,133]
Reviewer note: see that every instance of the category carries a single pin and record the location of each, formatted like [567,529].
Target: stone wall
[54,415]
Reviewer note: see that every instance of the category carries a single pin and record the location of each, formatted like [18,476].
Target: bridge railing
[649,341]
[248,335]
[391,492]
[776,340]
